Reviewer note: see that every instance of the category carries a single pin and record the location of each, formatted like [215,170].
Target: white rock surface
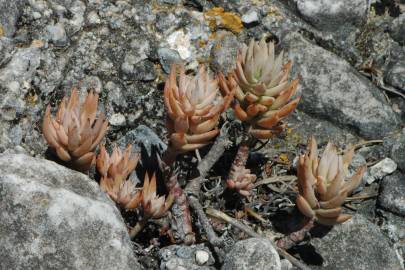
[56,218]
[379,170]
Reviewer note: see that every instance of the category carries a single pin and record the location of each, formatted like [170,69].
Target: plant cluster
[261,95]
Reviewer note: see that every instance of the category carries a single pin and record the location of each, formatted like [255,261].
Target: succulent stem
[138,227]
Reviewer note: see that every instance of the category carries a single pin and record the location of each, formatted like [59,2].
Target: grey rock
[393,227]
[380,170]
[56,33]
[171,2]
[356,244]
[397,29]
[115,97]
[9,15]
[252,254]
[117,120]
[392,196]
[166,21]
[223,53]
[49,211]
[186,257]
[395,74]
[167,57]
[142,71]
[142,135]
[398,150]
[332,89]
[332,15]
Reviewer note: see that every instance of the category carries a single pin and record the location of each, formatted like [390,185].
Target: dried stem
[205,223]
[293,238]
[220,215]
[180,211]
[193,187]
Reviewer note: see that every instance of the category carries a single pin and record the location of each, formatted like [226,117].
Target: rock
[9,14]
[56,218]
[332,89]
[355,244]
[142,135]
[195,257]
[117,120]
[141,71]
[250,17]
[223,53]
[252,254]
[398,150]
[394,227]
[380,170]
[392,195]
[167,57]
[202,257]
[180,42]
[331,16]
[56,33]
[395,74]
[397,29]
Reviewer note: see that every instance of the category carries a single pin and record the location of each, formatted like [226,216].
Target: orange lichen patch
[218,18]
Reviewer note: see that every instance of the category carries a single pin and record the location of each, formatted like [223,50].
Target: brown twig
[276,179]
[222,216]
[293,238]
[361,197]
[193,187]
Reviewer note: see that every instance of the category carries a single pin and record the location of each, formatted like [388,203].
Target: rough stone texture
[356,244]
[178,257]
[223,53]
[333,15]
[392,196]
[331,88]
[56,218]
[398,150]
[394,227]
[395,74]
[397,29]
[252,254]
[9,14]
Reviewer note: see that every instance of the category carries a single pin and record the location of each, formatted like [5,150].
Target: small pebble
[201,257]
[117,119]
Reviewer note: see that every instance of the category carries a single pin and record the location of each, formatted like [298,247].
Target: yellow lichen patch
[218,18]
[284,158]
[1,31]
[31,98]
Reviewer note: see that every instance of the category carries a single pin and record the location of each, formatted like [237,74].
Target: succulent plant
[241,180]
[194,106]
[114,171]
[322,183]
[154,206]
[76,130]
[263,90]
